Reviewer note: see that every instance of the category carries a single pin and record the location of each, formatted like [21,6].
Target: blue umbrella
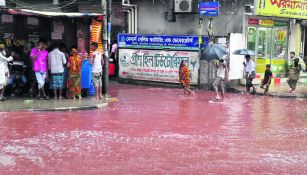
[244,52]
[213,52]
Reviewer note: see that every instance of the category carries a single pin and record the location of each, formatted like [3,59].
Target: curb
[78,108]
[59,109]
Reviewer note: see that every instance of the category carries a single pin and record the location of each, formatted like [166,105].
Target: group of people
[219,82]
[296,65]
[52,66]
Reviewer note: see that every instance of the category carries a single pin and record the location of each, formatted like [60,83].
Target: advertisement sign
[159,42]
[282,8]
[156,65]
[267,23]
[209,8]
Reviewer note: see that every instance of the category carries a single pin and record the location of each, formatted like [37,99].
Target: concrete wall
[151,18]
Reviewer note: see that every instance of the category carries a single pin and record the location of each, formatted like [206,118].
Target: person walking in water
[221,76]
[265,84]
[184,78]
[295,66]
[96,60]
[250,69]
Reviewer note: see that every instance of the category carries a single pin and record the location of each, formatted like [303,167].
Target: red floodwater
[157,131]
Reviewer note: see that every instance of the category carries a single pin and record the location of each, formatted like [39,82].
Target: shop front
[269,39]
[21,31]
[282,31]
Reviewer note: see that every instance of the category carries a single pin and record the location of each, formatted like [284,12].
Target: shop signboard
[156,65]
[282,8]
[209,8]
[267,23]
[160,42]
[253,21]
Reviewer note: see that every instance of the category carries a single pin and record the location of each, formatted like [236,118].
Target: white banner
[156,65]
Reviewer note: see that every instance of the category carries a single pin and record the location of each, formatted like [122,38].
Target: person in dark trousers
[113,55]
[250,69]
[265,84]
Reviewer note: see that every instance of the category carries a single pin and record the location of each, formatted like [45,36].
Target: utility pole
[107,10]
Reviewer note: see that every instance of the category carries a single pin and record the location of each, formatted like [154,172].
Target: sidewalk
[281,91]
[30,104]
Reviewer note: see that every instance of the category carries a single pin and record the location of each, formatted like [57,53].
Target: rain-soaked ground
[157,131]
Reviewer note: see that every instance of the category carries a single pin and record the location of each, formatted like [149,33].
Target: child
[96,60]
[267,79]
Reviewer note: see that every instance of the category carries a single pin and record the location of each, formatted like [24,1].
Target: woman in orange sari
[74,75]
[184,78]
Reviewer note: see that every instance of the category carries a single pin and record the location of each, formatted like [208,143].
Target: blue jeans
[13,78]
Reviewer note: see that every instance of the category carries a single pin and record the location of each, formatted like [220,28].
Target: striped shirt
[56,61]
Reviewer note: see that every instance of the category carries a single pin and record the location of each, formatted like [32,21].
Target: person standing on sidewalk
[39,57]
[296,65]
[250,69]
[265,84]
[56,62]
[96,60]
[184,78]
[113,56]
[4,71]
[221,76]
[74,74]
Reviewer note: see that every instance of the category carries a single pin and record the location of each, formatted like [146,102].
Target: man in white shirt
[56,62]
[250,69]
[96,60]
[221,75]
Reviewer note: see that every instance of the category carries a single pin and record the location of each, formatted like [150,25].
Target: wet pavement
[30,104]
[282,91]
[158,131]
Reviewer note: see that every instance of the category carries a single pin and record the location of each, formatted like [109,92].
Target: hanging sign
[209,8]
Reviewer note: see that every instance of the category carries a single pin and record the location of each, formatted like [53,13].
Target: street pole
[106,42]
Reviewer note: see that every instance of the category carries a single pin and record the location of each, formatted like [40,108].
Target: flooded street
[148,130]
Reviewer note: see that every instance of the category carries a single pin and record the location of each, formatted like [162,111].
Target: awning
[51,14]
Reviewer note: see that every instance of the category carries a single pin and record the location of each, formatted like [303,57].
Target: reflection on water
[163,132]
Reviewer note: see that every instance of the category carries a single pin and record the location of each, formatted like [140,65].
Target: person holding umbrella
[250,68]
[221,76]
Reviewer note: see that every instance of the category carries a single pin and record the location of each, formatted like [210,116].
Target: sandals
[43,98]
[46,98]
[39,97]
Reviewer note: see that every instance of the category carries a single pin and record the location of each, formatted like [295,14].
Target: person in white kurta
[4,71]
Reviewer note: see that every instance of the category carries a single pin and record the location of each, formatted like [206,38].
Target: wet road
[157,131]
